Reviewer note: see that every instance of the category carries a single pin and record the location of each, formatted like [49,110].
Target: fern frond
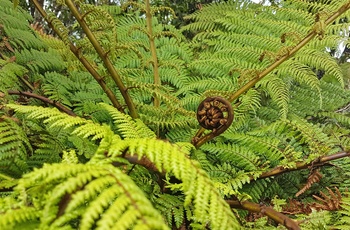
[227,179]
[55,118]
[14,16]
[10,74]
[268,146]
[207,16]
[14,219]
[167,118]
[317,141]
[199,191]
[70,157]
[40,61]
[249,104]
[173,208]
[345,219]
[47,149]
[239,156]
[197,84]
[14,148]
[126,126]
[338,117]
[321,61]
[59,26]
[129,207]
[278,92]
[301,73]
[164,155]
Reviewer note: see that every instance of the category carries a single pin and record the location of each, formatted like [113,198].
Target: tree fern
[101,168]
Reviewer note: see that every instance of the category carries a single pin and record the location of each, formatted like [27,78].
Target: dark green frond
[14,148]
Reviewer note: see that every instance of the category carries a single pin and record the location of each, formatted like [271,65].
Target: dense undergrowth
[98,125]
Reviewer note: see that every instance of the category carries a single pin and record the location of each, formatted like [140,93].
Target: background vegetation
[101,103]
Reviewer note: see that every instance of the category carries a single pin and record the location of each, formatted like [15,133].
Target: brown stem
[265,210]
[43,99]
[247,205]
[63,204]
[83,60]
[144,161]
[104,56]
[290,53]
[302,165]
[27,83]
[153,51]
[274,65]
[274,172]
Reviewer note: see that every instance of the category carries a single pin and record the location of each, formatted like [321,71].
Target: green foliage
[237,44]
[14,148]
[94,182]
[100,168]
[107,189]
[344,222]
[23,55]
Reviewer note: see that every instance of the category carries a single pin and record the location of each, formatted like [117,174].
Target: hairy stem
[156,77]
[82,59]
[43,99]
[265,210]
[104,56]
[302,165]
[273,66]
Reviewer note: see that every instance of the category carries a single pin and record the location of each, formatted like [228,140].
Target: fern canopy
[98,122]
